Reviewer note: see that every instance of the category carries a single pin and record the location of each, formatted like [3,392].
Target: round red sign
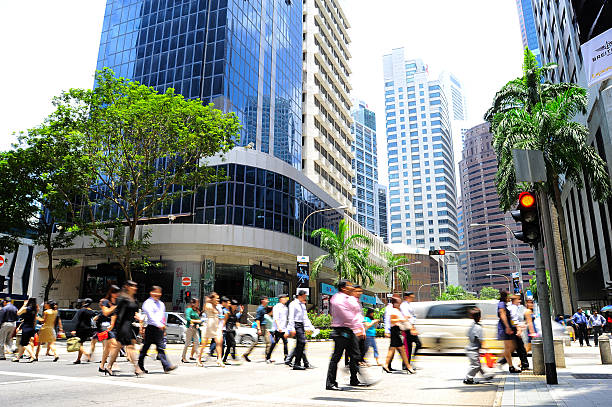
[186,281]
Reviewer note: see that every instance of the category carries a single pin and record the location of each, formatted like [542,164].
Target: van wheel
[440,344]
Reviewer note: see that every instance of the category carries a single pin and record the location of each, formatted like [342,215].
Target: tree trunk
[50,277]
[551,254]
[568,283]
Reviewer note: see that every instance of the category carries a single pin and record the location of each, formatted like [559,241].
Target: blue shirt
[8,314]
[597,320]
[579,318]
[371,331]
[259,315]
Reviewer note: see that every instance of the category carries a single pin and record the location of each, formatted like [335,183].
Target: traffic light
[527,215]
[440,252]
[187,296]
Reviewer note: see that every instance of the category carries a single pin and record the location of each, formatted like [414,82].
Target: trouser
[192,336]
[370,341]
[362,348]
[300,344]
[409,339]
[6,338]
[475,367]
[266,337]
[581,333]
[291,356]
[278,335]
[229,339]
[344,339]
[597,330]
[154,335]
[520,351]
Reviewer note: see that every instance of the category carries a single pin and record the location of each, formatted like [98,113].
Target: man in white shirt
[280,315]
[297,325]
[155,312]
[411,336]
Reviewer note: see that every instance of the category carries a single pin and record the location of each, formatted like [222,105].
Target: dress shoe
[296,367]
[359,384]
[468,381]
[333,387]
[171,368]
[309,366]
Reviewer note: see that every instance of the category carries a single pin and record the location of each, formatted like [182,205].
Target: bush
[380,333]
[321,321]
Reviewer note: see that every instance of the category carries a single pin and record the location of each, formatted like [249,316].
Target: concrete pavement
[437,383]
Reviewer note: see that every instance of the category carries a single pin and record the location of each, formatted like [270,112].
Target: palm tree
[402,274]
[349,254]
[530,113]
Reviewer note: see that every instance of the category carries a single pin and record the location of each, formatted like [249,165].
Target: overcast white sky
[48,46]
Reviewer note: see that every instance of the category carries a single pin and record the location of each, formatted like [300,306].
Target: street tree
[144,151]
[42,178]
[348,254]
[396,273]
[488,293]
[533,286]
[455,292]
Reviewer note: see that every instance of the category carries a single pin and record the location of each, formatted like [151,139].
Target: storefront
[326,291]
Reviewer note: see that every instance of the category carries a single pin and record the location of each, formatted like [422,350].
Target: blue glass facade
[528,28]
[245,57]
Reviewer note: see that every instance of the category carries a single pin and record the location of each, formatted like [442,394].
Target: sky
[50,46]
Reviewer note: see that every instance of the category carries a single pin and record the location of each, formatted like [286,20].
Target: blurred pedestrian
[126,314]
[370,323]
[213,328]
[28,313]
[410,336]
[8,320]
[280,314]
[262,329]
[84,329]
[387,326]
[532,330]
[505,330]
[105,329]
[229,330]
[357,291]
[192,335]
[47,334]
[472,350]
[580,322]
[347,327]
[297,326]
[154,312]
[399,323]
[597,322]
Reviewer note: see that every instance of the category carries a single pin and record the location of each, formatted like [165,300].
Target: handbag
[73,344]
[102,336]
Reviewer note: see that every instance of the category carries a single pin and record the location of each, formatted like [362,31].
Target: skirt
[396,337]
[26,335]
[46,334]
[83,335]
[125,335]
[501,333]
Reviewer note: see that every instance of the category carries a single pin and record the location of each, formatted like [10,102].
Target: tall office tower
[457,110]
[461,257]
[381,209]
[239,236]
[365,166]
[326,104]
[480,203]
[528,27]
[562,26]
[422,196]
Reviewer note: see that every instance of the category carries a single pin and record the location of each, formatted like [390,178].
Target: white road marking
[197,402]
[23,381]
[201,392]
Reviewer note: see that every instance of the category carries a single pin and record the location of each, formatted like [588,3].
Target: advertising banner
[597,54]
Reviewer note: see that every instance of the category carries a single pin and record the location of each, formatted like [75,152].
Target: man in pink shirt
[347,325]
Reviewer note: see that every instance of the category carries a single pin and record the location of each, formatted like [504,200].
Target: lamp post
[501,275]
[423,285]
[393,273]
[312,213]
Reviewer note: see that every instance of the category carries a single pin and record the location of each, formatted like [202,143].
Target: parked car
[69,321]
[176,327]
[246,335]
[444,324]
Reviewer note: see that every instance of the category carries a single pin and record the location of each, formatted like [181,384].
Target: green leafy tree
[397,274]
[533,286]
[455,292]
[349,255]
[143,151]
[488,293]
[42,177]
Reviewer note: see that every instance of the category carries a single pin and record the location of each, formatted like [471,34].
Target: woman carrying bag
[399,323]
[83,329]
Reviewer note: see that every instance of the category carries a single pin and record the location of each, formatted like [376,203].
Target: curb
[500,392]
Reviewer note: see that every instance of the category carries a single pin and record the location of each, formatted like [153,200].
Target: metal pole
[421,286]
[543,299]
[312,213]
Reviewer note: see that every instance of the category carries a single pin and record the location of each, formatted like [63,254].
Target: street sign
[303,271]
[516,282]
[186,281]
[1,261]
[529,165]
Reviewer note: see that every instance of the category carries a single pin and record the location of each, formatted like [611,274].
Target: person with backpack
[84,329]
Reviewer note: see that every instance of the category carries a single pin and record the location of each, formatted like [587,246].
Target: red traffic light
[526,199]
[441,252]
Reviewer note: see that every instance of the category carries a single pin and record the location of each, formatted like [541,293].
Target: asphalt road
[438,382]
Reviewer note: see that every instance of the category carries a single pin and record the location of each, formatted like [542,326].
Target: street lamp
[501,275]
[312,213]
[423,285]
[393,274]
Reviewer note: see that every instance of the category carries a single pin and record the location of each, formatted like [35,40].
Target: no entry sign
[186,281]
[1,261]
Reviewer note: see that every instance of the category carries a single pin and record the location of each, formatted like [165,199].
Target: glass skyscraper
[528,27]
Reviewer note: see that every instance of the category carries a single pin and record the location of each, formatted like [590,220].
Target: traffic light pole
[545,317]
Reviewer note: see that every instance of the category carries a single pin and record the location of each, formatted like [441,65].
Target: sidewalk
[585,383]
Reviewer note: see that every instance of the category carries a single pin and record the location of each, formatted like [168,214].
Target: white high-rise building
[457,111]
[326,105]
[422,192]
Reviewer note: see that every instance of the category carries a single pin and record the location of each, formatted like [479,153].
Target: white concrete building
[326,104]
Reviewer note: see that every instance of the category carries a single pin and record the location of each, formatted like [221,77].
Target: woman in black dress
[126,314]
[108,306]
[83,328]
[28,313]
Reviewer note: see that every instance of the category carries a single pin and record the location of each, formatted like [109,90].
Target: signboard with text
[303,271]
